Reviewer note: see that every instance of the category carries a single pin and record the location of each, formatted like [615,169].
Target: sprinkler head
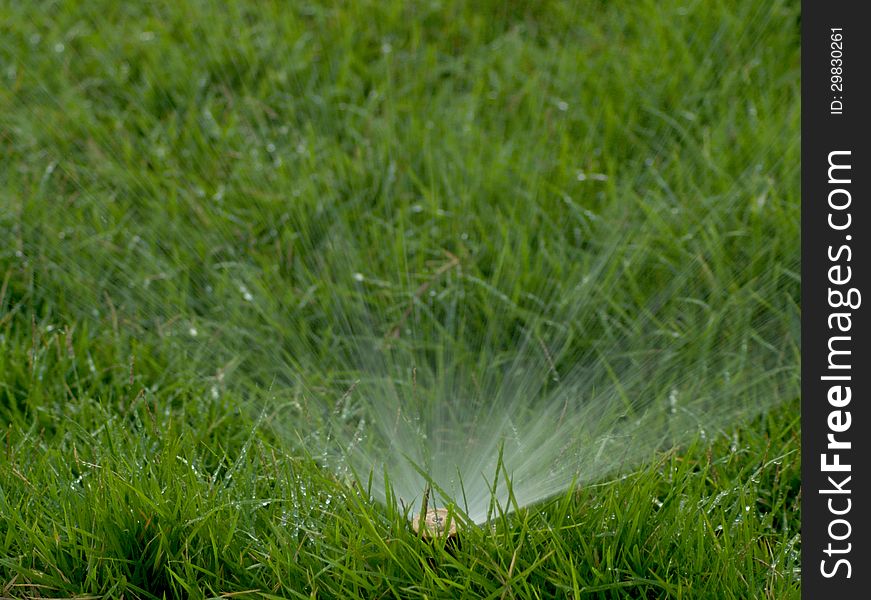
[435,525]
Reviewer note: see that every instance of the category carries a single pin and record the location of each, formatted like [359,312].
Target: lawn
[218,218]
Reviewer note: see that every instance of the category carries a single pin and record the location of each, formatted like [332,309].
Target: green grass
[161,161]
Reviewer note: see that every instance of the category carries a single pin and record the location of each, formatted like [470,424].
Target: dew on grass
[77,484]
[246,293]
